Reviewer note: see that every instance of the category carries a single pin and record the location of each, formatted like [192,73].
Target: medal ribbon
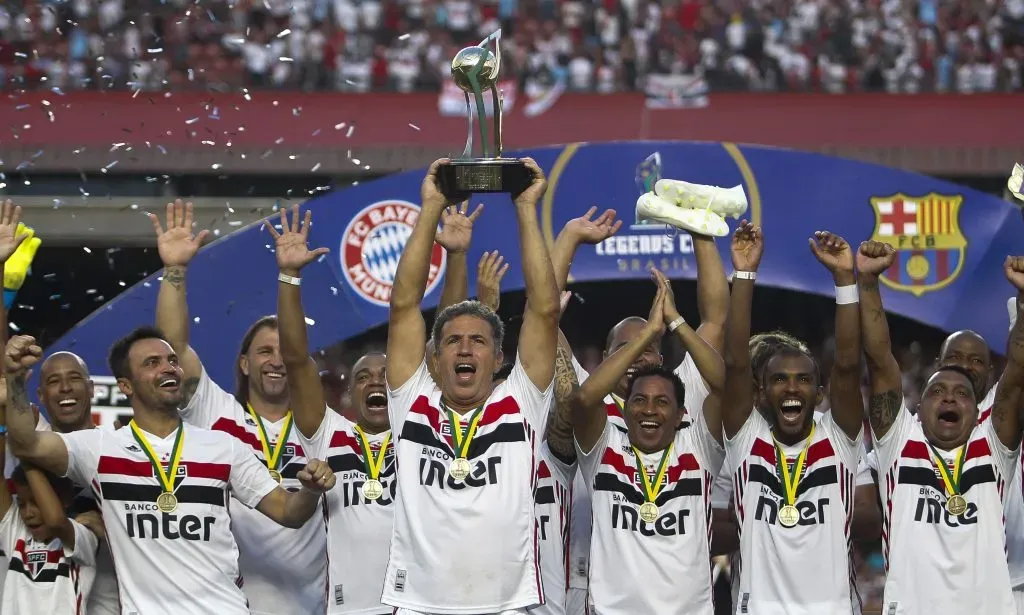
[373,464]
[273,457]
[952,480]
[651,491]
[790,483]
[462,439]
[166,480]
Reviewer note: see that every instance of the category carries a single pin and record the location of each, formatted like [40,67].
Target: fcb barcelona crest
[925,230]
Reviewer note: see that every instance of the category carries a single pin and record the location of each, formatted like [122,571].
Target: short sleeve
[849,449]
[562,472]
[83,454]
[712,454]
[738,447]
[250,480]
[721,490]
[864,475]
[534,403]
[400,400]
[11,527]
[693,382]
[590,460]
[207,403]
[86,545]
[1004,459]
[317,445]
[888,447]
[581,374]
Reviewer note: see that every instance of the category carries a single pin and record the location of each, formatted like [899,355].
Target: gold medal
[274,474]
[272,455]
[649,512]
[789,516]
[167,502]
[459,468]
[372,489]
[956,505]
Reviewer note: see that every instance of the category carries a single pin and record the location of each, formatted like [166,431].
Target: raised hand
[538,186]
[563,302]
[874,257]
[656,319]
[430,193]
[290,244]
[669,311]
[10,239]
[316,476]
[20,355]
[747,247]
[457,228]
[595,231]
[176,244]
[832,251]
[489,272]
[1014,269]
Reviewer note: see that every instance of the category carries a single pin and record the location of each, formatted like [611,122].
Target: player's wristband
[846,295]
[289,279]
[745,275]
[1012,307]
[3,429]
[675,324]
[9,296]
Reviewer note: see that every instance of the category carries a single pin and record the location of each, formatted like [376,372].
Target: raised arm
[407,331]
[835,254]
[43,448]
[709,363]
[559,431]
[177,245]
[874,257]
[589,416]
[738,393]
[489,272]
[577,232]
[1007,407]
[455,236]
[307,393]
[538,336]
[50,506]
[712,295]
[5,495]
[294,508]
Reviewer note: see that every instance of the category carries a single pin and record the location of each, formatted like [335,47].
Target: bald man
[969,351]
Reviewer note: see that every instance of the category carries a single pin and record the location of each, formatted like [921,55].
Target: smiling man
[793,474]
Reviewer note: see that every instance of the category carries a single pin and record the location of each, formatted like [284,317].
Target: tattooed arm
[45,449]
[886,399]
[559,432]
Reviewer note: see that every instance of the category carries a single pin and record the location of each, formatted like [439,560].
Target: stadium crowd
[601,46]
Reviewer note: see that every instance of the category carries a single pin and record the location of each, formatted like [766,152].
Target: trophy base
[460,178]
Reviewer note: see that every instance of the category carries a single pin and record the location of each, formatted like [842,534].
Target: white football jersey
[696,392]
[553,504]
[46,577]
[437,563]
[179,563]
[805,569]
[358,529]
[936,562]
[662,567]
[283,569]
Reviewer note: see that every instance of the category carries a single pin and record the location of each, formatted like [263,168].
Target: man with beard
[284,570]
[650,485]
[944,473]
[360,512]
[163,484]
[467,450]
[793,474]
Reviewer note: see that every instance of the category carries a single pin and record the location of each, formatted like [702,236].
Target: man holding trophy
[464,538]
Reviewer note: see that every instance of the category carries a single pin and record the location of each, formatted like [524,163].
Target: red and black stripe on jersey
[293,457]
[819,467]
[116,474]
[494,427]
[350,457]
[929,476]
[47,571]
[618,474]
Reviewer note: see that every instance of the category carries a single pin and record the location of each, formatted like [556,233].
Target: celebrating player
[650,487]
[360,512]
[283,569]
[164,485]
[944,474]
[466,450]
[793,474]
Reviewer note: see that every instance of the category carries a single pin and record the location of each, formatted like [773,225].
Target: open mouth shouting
[376,401]
[791,411]
[948,417]
[464,373]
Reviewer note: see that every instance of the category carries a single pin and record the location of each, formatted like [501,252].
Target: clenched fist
[317,476]
[20,355]
[1014,270]
[874,257]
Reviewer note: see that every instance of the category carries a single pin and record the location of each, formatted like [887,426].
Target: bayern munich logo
[372,244]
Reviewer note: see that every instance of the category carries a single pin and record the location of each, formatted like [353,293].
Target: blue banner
[951,242]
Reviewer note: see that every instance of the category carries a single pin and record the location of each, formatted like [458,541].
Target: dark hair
[61,486]
[659,371]
[504,372]
[789,351]
[241,380]
[117,358]
[468,308]
[956,369]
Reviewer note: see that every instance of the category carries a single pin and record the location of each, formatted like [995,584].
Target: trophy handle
[499,108]
[468,150]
